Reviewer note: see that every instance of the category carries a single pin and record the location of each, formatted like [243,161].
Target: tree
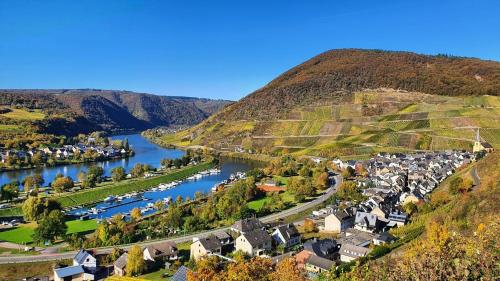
[96,171]
[118,174]
[139,169]
[173,217]
[33,182]
[349,172]
[135,261]
[287,270]
[410,208]
[309,225]
[322,180]
[62,184]
[301,188]
[455,185]
[51,227]
[35,208]
[466,186]
[9,191]
[135,214]
[159,205]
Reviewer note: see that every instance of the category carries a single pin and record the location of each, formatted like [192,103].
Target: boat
[109,199]
[150,205]
[154,189]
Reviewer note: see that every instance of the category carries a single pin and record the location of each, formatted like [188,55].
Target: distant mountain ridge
[110,110]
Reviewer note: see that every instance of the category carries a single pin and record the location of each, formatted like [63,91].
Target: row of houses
[63,152]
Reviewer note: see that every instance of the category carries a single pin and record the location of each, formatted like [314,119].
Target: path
[186,238]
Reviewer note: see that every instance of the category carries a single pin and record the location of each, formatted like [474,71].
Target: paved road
[270,218]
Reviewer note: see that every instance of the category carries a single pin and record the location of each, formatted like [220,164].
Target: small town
[345,230]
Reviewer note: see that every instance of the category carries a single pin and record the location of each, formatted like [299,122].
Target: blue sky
[220,49]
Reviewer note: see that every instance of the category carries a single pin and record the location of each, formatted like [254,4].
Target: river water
[145,153]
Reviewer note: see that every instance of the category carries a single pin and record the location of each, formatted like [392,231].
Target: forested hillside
[92,110]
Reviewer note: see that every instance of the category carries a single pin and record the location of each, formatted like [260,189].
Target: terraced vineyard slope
[357,102]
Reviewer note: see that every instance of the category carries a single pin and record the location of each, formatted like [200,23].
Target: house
[162,251]
[205,246]
[120,264]
[224,238]
[86,260]
[246,225]
[74,272]
[356,237]
[366,222]
[317,264]
[254,243]
[349,252]
[383,238]
[398,217]
[338,221]
[325,248]
[287,235]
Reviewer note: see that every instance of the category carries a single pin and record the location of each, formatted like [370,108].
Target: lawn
[158,275]
[23,234]
[256,205]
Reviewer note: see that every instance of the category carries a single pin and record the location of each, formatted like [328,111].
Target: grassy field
[256,205]
[22,114]
[23,234]
[373,121]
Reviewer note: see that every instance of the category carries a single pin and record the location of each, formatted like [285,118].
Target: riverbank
[91,196]
[65,162]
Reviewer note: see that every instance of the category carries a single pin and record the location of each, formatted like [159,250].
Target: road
[270,218]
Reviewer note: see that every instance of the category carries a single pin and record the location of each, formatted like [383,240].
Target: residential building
[254,243]
[316,264]
[86,260]
[162,251]
[349,252]
[325,248]
[287,235]
[205,246]
[74,272]
[246,225]
[120,264]
[338,221]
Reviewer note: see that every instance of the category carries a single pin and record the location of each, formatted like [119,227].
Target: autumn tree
[118,174]
[33,182]
[9,191]
[287,270]
[322,180]
[51,227]
[62,184]
[135,214]
[135,261]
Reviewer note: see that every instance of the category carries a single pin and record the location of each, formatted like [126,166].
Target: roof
[211,242]
[162,249]
[221,235]
[288,231]
[248,224]
[363,218]
[353,250]
[320,262]
[257,237]
[121,262]
[486,145]
[68,271]
[81,256]
[322,248]
[180,274]
[342,215]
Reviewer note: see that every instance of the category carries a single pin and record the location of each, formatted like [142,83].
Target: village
[346,230]
[85,150]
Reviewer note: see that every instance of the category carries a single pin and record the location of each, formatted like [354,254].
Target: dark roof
[180,274]
[353,250]
[257,237]
[320,262]
[162,249]
[81,256]
[221,235]
[68,271]
[210,243]
[386,237]
[248,224]
[322,248]
[288,231]
[121,262]
[486,145]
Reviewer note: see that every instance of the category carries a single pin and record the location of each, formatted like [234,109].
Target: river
[145,153]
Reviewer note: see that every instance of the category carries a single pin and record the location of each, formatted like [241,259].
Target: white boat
[109,199]
[154,189]
[150,205]
[197,176]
